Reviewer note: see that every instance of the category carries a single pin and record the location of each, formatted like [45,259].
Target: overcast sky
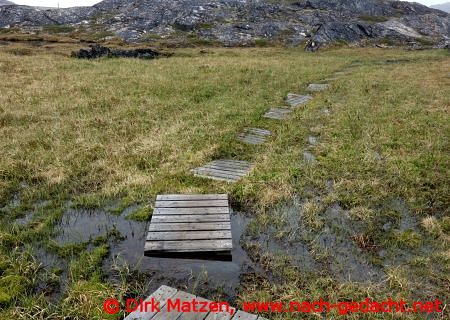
[73,3]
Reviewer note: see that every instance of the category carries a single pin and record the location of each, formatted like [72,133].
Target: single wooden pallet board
[295,100]
[316,87]
[224,170]
[190,225]
[277,113]
[330,79]
[254,135]
[341,73]
[166,294]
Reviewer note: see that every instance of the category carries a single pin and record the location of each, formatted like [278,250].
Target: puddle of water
[292,244]
[23,221]
[14,203]
[407,220]
[50,262]
[79,226]
[344,259]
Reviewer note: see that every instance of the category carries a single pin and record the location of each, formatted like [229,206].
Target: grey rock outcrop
[245,22]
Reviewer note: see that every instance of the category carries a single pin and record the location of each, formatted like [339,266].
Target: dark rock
[237,22]
[97,51]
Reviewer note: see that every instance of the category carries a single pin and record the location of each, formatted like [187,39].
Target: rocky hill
[6,3]
[246,22]
[443,6]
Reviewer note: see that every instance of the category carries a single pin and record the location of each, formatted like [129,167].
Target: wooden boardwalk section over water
[190,226]
[165,294]
[224,170]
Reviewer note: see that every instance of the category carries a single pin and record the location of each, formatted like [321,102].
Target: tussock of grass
[431,225]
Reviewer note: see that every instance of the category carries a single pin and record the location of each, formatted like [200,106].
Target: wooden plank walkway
[165,294]
[224,170]
[316,87]
[278,113]
[341,73]
[295,100]
[190,226]
[254,135]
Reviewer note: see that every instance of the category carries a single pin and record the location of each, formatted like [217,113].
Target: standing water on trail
[126,239]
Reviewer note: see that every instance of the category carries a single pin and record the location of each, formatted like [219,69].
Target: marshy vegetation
[87,145]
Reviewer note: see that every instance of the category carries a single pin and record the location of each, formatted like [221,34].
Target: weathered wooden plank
[238,166]
[226,167]
[295,100]
[165,314]
[161,295]
[189,235]
[190,204]
[234,164]
[175,197]
[195,315]
[315,87]
[198,218]
[190,211]
[189,245]
[241,315]
[218,173]
[278,113]
[233,161]
[259,131]
[189,226]
[252,136]
[207,176]
[164,293]
[251,141]
[276,116]
[280,110]
[224,315]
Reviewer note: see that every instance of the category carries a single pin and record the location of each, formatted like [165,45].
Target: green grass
[373,19]
[57,28]
[95,132]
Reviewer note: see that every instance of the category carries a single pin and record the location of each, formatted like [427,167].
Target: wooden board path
[254,135]
[295,100]
[316,87]
[277,113]
[224,170]
[165,294]
[190,226]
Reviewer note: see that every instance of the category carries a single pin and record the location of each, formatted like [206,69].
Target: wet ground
[126,239]
[330,248]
